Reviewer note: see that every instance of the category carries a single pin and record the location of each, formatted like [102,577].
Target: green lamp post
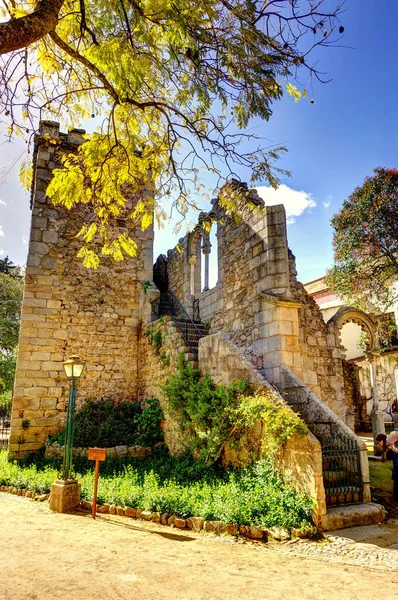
[73,368]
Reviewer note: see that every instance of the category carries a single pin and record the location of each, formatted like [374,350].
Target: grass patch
[178,485]
[380,476]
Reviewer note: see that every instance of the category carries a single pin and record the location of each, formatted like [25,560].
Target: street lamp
[73,368]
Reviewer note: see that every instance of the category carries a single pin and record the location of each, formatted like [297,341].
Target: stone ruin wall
[322,365]
[259,303]
[68,309]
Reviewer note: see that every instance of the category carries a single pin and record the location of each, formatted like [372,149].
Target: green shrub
[211,415]
[256,495]
[105,424]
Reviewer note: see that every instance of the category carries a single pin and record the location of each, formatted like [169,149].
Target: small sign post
[97,454]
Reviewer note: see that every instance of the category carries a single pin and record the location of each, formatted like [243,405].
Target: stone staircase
[191,330]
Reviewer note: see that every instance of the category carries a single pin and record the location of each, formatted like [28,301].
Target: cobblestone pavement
[373,546]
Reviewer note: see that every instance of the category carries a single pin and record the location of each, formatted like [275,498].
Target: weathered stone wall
[68,309]
[300,461]
[321,355]
[210,304]
[156,364]
[178,270]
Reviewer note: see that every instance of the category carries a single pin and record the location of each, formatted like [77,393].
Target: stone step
[351,516]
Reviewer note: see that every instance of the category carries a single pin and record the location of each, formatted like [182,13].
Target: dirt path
[46,556]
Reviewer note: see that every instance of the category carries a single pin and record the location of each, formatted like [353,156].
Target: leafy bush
[5,403]
[210,415]
[256,495]
[105,424]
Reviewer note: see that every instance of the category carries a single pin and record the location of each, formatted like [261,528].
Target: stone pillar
[64,495]
[376,415]
[279,337]
[206,248]
[192,263]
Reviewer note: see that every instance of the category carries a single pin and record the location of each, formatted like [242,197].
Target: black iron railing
[5,425]
[341,464]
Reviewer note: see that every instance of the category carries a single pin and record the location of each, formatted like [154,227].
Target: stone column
[377,415]
[192,263]
[206,249]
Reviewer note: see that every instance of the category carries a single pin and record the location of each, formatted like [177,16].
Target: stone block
[213,526]
[253,533]
[50,236]
[180,523]
[351,516]
[231,529]
[53,303]
[64,496]
[195,523]
[38,248]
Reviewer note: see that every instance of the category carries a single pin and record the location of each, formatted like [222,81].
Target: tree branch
[24,31]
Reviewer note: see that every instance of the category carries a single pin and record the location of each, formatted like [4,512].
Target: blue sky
[333,144]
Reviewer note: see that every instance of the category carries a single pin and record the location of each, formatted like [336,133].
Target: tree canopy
[366,244]
[174,85]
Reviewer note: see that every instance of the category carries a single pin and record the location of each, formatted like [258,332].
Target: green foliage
[25,424]
[105,424]
[172,84]
[146,285]
[11,289]
[148,423]
[7,267]
[157,340]
[8,363]
[366,244]
[5,403]
[211,415]
[178,485]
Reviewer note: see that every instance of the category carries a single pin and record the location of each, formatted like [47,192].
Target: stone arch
[349,314]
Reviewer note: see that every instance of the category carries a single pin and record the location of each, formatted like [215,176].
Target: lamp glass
[78,369]
[68,368]
[73,367]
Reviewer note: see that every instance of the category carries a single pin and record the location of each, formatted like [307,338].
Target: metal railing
[5,427]
[171,305]
[341,464]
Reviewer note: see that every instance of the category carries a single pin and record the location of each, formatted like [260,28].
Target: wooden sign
[97,454]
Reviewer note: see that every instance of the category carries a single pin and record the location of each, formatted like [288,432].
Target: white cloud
[326,204]
[2,252]
[295,202]
[25,240]
[2,203]
[1,231]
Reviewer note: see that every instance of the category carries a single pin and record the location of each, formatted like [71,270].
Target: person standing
[389,446]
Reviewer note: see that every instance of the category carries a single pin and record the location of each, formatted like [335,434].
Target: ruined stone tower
[68,309]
